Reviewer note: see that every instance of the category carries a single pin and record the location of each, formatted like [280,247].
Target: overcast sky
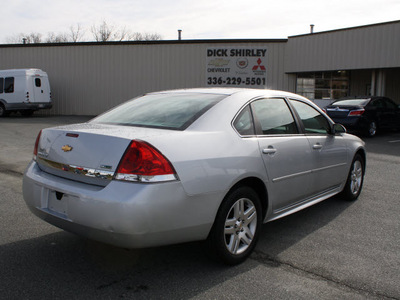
[204,19]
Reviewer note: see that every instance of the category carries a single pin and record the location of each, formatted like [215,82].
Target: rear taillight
[144,163]
[357,112]
[35,150]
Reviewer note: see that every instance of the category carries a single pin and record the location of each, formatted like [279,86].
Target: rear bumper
[123,214]
[353,124]
[30,106]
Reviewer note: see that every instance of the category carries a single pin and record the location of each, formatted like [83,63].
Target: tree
[102,32]
[57,38]
[106,32]
[137,36]
[76,33]
[32,38]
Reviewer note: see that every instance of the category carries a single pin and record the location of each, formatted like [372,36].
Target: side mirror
[338,128]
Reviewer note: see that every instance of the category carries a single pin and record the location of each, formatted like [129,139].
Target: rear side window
[244,122]
[165,111]
[313,121]
[1,85]
[274,116]
[9,85]
[390,104]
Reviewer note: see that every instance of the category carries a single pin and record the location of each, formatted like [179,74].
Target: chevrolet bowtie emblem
[66,148]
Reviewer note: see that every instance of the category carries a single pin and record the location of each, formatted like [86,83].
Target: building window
[323,85]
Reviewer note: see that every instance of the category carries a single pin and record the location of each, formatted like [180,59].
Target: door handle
[269,150]
[317,146]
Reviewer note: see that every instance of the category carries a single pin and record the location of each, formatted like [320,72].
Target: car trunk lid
[342,111]
[88,153]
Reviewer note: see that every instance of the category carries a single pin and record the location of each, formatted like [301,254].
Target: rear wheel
[372,129]
[236,227]
[355,179]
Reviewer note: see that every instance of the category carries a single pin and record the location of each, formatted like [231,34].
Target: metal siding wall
[393,84]
[89,79]
[367,47]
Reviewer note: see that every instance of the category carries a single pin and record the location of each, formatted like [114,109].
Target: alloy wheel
[372,129]
[240,226]
[356,177]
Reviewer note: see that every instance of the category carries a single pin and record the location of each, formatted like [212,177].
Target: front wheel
[236,228]
[355,179]
[3,111]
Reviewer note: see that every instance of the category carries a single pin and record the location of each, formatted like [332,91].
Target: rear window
[165,111]
[351,102]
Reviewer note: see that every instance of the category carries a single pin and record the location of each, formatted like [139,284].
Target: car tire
[236,228]
[355,179]
[3,111]
[372,129]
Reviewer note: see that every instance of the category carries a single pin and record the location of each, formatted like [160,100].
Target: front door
[328,151]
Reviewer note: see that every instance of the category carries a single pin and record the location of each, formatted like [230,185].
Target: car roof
[232,91]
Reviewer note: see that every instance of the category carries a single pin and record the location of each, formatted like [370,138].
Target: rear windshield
[165,111]
[351,102]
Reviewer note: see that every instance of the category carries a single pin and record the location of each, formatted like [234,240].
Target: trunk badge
[66,148]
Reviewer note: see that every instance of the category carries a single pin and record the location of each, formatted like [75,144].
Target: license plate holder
[58,203]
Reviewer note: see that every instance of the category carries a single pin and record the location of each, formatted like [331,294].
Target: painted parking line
[395,141]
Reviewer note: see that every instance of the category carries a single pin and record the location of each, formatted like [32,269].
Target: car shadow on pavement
[62,265]
[282,234]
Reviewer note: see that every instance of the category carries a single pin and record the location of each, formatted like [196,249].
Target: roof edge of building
[159,42]
[344,29]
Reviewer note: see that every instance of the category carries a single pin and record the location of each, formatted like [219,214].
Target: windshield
[166,111]
[351,102]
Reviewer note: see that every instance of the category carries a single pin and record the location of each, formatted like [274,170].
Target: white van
[24,90]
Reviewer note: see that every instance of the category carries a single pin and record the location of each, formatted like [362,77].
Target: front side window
[165,111]
[1,85]
[314,122]
[9,85]
[274,116]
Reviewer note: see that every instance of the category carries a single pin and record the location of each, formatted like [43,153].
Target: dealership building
[89,78]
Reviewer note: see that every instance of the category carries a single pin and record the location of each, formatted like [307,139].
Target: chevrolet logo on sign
[66,148]
[218,62]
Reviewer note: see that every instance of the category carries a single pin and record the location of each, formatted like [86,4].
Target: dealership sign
[240,67]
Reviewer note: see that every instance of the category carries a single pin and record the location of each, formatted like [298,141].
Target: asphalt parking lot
[333,250]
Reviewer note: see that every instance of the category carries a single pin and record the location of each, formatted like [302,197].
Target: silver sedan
[188,165]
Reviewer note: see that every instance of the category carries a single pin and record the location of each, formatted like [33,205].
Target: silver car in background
[187,165]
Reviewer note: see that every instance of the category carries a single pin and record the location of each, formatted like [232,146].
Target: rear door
[285,152]
[41,89]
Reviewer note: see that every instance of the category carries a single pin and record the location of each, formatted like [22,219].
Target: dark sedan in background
[366,115]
